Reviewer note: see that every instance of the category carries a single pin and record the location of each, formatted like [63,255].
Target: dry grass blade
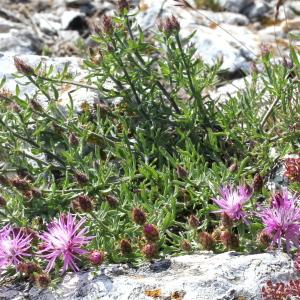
[183,3]
[278,4]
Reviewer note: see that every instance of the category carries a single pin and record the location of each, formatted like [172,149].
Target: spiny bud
[258,183]
[149,250]
[27,268]
[206,240]
[186,246]
[35,105]
[193,221]
[227,222]
[287,63]
[42,280]
[123,5]
[151,232]
[4,181]
[73,140]
[96,257]
[125,247]
[82,203]
[20,184]
[2,202]
[253,68]
[112,201]
[36,193]
[216,234]
[107,24]
[81,178]
[139,216]
[181,172]
[170,25]
[15,108]
[264,239]
[232,168]
[22,67]
[230,240]
[265,50]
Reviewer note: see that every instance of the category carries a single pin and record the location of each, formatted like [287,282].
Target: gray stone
[77,2]
[69,16]
[236,6]
[193,277]
[258,10]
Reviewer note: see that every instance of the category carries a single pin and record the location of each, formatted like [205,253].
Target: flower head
[64,239]
[282,220]
[13,246]
[232,200]
[96,257]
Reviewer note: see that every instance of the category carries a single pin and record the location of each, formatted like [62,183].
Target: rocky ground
[226,276]
[235,31]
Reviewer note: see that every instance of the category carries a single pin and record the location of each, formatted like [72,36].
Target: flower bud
[22,67]
[170,25]
[107,25]
[227,222]
[27,268]
[81,178]
[96,257]
[15,108]
[35,105]
[181,172]
[193,221]
[139,216]
[258,183]
[230,240]
[232,168]
[186,246]
[264,239]
[149,250]
[42,280]
[82,203]
[292,169]
[151,232]
[4,181]
[216,235]
[20,184]
[36,193]
[265,50]
[73,140]
[112,201]
[125,247]
[2,202]
[123,5]
[206,240]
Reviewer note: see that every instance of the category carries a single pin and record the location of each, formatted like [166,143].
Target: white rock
[194,277]
[48,22]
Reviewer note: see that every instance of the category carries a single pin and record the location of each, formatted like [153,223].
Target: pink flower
[282,220]
[64,239]
[13,247]
[232,200]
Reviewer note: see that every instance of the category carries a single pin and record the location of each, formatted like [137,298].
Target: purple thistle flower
[13,247]
[232,200]
[64,239]
[282,220]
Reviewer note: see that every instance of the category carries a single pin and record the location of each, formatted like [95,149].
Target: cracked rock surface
[227,276]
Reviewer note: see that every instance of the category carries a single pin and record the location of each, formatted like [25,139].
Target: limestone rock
[193,277]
